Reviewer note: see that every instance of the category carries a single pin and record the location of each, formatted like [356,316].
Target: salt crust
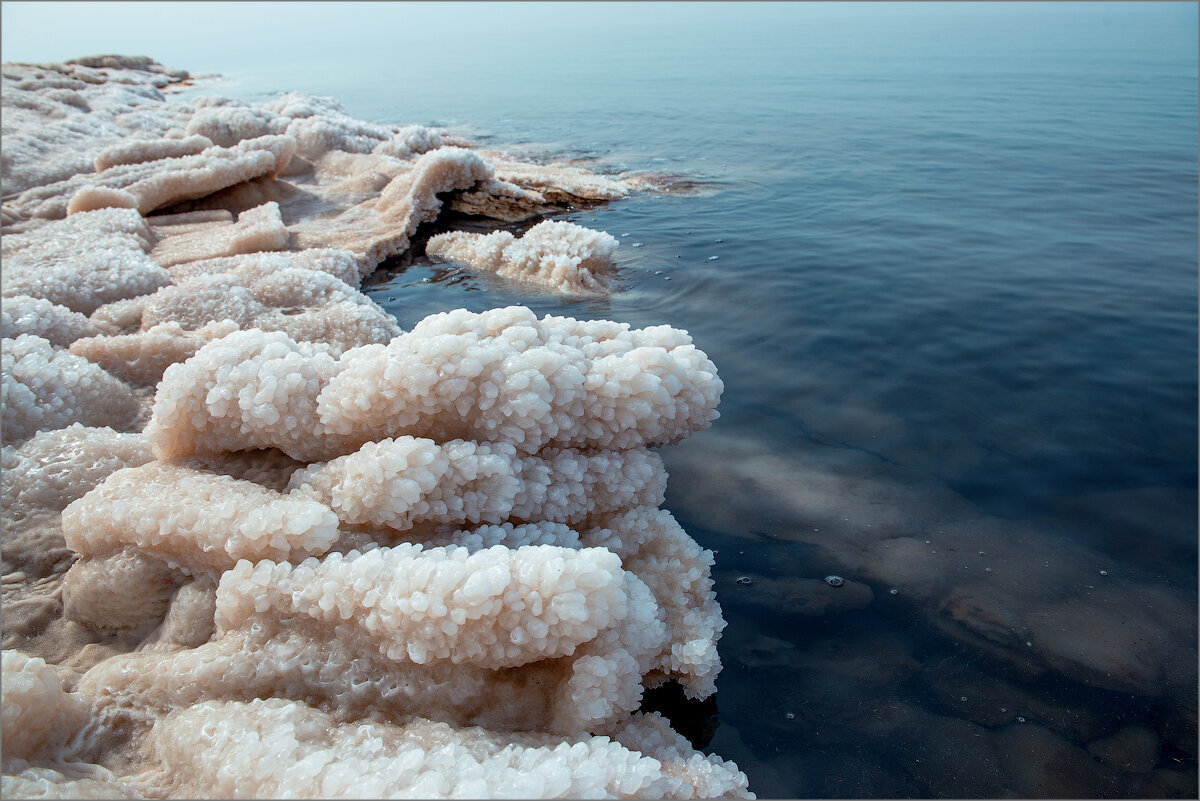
[37,716]
[194,519]
[338,263]
[140,359]
[559,255]
[54,468]
[497,376]
[397,482]
[295,655]
[525,623]
[46,388]
[257,229]
[42,728]
[83,262]
[382,226]
[22,314]
[51,137]
[281,749]
[155,184]
[60,779]
[141,151]
[206,303]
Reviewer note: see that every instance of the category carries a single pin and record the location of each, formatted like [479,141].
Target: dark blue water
[945,259]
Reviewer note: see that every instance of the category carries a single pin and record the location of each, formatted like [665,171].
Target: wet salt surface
[951,292]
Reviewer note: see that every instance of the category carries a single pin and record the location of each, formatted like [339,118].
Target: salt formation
[258,540]
[416,760]
[497,376]
[398,482]
[58,325]
[561,255]
[83,262]
[45,388]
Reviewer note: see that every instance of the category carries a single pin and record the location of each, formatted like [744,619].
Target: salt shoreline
[257,538]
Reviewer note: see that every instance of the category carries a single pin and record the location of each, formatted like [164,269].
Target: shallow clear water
[946,262]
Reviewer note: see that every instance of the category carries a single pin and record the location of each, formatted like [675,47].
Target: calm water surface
[946,262]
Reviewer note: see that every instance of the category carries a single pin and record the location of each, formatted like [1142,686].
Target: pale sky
[204,36]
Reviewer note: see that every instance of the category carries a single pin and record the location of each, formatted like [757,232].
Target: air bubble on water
[1020,719]
[637,245]
[926,542]
[1003,709]
[834,581]
[713,258]
[987,570]
[1028,643]
[893,591]
[718,240]
[666,278]
[658,272]
[963,698]
[1104,572]
[745,581]
[790,716]
[981,553]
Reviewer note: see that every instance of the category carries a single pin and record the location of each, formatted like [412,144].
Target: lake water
[945,259]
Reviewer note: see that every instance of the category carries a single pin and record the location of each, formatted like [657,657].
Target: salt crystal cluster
[559,255]
[261,542]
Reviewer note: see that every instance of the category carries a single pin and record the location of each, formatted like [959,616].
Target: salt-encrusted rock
[557,183]
[49,138]
[22,314]
[144,150]
[83,262]
[45,388]
[54,468]
[457,525]
[559,255]
[43,729]
[357,605]
[309,305]
[154,184]
[141,358]
[381,227]
[37,716]
[653,545]
[257,229]
[195,519]
[244,391]
[123,589]
[397,482]
[59,779]
[500,607]
[295,751]
[338,263]
[506,376]
[498,376]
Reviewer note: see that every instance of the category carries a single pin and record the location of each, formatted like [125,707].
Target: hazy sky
[204,36]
